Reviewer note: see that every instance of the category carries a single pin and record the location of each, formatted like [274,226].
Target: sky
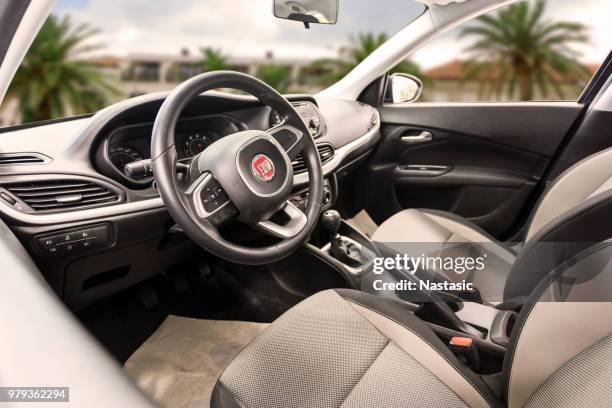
[248,27]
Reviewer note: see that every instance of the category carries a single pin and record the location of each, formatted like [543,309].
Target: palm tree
[518,50]
[213,60]
[52,81]
[277,76]
[330,70]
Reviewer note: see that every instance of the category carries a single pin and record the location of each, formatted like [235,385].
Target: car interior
[198,247]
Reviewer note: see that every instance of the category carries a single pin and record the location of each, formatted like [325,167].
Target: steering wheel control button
[223,214]
[262,168]
[75,240]
[213,196]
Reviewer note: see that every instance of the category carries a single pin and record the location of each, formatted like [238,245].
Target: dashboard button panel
[74,240]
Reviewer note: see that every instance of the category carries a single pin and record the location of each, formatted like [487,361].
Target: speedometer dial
[120,155]
[196,142]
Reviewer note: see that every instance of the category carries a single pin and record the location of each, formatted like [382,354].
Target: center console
[343,247]
[353,254]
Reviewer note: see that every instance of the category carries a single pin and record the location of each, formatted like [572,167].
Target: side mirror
[403,88]
[307,11]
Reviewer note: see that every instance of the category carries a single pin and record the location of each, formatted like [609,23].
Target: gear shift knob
[331,221]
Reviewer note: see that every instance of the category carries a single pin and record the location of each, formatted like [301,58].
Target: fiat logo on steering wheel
[262,168]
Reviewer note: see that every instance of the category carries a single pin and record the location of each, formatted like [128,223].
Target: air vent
[62,194]
[326,153]
[11,159]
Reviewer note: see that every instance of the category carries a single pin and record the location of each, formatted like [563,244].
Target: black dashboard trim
[30,125]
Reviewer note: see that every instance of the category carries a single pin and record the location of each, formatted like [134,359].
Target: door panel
[537,127]
[482,161]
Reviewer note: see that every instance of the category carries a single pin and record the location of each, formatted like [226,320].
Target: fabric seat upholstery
[345,348]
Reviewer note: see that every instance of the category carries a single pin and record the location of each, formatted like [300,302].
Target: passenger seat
[575,208]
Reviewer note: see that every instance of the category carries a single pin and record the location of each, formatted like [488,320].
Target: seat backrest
[560,352]
[586,180]
[573,213]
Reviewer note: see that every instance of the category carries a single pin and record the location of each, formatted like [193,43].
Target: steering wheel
[245,176]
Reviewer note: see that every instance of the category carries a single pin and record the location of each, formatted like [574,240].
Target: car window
[92,53]
[536,50]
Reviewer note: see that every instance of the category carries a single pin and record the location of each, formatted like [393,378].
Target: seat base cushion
[415,232]
[338,349]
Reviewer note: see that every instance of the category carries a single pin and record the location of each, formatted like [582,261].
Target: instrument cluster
[132,143]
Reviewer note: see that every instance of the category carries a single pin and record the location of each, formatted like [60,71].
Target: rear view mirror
[307,11]
[403,88]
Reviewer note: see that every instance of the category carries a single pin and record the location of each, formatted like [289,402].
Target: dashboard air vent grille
[9,159]
[326,153]
[62,194]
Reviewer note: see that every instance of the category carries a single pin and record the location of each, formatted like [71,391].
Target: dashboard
[94,230]
[78,163]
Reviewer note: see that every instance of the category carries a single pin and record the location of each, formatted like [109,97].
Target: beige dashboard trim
[341,153]
[80,215]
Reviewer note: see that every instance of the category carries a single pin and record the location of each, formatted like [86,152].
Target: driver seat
[575,208]
[343,348]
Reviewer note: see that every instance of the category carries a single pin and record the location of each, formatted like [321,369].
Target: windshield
[92,53]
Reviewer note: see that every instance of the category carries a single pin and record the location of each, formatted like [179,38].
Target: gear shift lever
[331,222]
[340,248]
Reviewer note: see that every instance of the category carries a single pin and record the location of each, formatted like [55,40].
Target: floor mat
[179,364]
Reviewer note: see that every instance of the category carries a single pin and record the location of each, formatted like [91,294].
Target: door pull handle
[422,137]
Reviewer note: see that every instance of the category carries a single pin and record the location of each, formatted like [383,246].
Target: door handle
[422,137]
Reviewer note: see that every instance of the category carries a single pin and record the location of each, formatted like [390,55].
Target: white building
[139,74]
